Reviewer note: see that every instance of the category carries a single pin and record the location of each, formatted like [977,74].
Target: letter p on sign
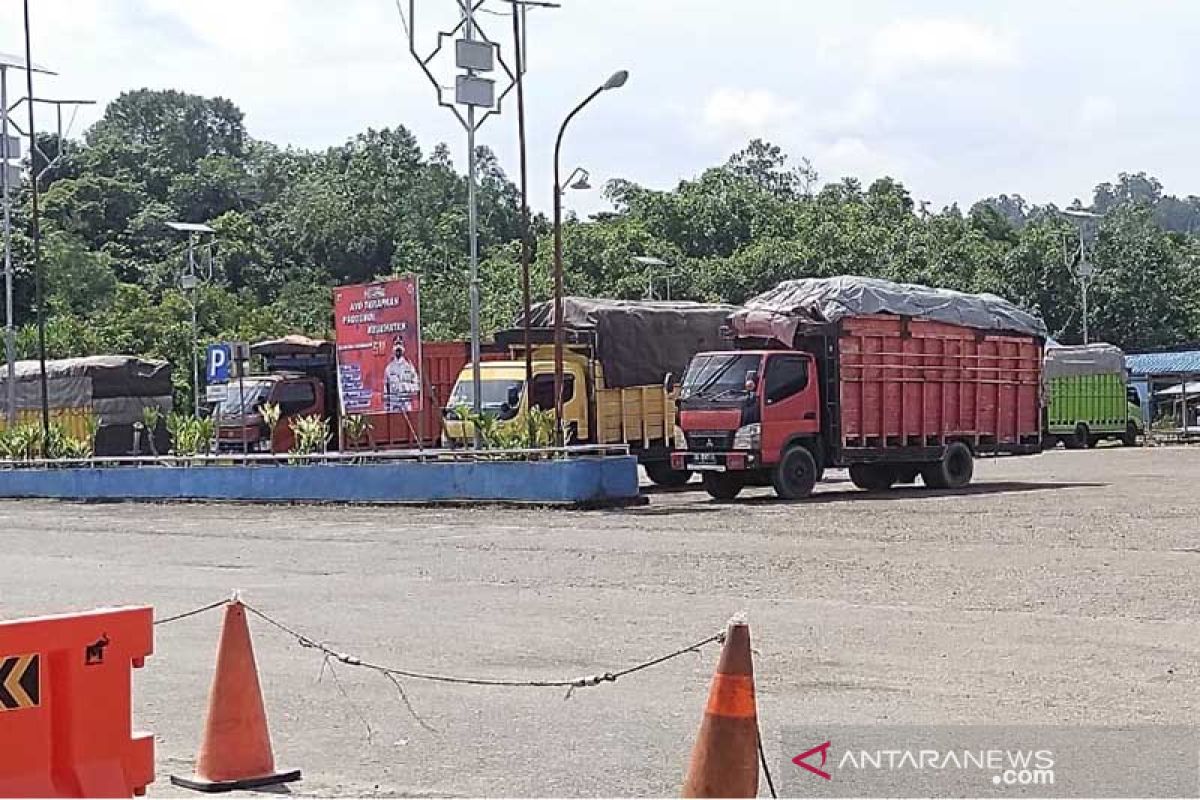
[217,363]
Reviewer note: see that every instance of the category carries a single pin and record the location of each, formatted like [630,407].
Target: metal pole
[518,20]
[558,304]
[1084,283]
[10,331]
[195,326]
[39,286]
[241,368]
[472,224]
[558,271]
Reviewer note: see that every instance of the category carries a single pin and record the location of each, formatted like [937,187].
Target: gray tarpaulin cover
[74,382]
[1084,359]
[639,342]
[777,313]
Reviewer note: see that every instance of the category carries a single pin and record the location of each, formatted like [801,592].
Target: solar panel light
[190,227]
[474,54]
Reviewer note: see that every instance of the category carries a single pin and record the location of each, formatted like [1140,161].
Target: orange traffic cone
[236,751]
[725,758]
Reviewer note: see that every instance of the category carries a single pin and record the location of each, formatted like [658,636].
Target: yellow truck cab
[616,358]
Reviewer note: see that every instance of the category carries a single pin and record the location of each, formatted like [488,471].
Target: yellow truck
[616,359]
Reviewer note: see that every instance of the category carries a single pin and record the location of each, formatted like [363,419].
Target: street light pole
[615,81]
[35,230]
[10,344]
[1083,270]
[189,281]
[518,14]
[6,170]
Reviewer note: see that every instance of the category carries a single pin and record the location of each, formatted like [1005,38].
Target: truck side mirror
[752,381]
[514,396]
[669,382]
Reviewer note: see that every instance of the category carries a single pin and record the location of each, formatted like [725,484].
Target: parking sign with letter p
[217,363]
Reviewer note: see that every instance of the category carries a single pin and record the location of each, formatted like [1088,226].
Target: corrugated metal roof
[1187,362]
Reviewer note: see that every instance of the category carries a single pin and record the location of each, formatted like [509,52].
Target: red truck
[889,380]
[300,379]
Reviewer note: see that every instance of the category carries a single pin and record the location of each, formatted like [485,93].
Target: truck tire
[661,474]
[1079,439]
[795,475]
[1130,437]
[873,477]
[722,485]
[954,471]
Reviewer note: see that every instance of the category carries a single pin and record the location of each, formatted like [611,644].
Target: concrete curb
[588,481]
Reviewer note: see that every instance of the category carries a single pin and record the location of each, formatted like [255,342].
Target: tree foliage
[291,224]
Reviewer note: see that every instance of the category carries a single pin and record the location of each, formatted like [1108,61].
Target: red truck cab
[740,413]
[239,416]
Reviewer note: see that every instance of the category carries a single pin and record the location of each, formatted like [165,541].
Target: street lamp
[615,81]
[579,178]
[1083,270]
[189,281]
[650,262]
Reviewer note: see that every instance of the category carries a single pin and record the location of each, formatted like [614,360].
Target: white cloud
[936,44]
[1097,110]
[746,112]
[857,109]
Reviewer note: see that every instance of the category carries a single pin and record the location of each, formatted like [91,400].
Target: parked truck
[110,392]
[616,356]
[892,381]
[1090,398]
[300,380]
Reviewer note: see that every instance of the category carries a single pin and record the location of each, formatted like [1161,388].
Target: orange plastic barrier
[65,705]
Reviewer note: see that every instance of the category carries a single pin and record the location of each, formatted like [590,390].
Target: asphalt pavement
[1058,589]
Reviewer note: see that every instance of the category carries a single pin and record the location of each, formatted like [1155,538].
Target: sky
[957,100]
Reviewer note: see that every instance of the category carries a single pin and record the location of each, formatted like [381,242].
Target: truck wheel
[1079,439]
[954,471]
[795,475]
[661,474]
[1049,441]
[873,477]
[722,485]
[1129,438]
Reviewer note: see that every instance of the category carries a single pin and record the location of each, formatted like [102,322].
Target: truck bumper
[715,462]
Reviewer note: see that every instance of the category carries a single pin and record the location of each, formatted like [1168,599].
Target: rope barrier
[192,613]
[570,684]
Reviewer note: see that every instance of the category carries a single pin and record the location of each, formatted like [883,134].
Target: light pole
[1084,271]
[615,81]
[519,9]
[9,175]
[189,281]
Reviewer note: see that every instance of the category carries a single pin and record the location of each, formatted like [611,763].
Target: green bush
[311,434]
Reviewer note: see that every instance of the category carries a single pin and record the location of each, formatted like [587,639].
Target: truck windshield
[494,394]
[717,374]
[236,403]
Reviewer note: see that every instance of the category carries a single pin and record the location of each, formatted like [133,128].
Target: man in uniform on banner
[401,379]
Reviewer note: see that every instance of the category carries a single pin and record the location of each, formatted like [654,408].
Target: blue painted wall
[572,481]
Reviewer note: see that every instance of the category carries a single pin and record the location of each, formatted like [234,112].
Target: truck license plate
[706,461]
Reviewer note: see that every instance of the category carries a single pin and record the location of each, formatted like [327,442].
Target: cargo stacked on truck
[1090,398]
[110,392]
[892,381]
[617,356]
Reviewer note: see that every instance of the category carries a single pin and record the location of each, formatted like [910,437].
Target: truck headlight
[748,437]
[680,439]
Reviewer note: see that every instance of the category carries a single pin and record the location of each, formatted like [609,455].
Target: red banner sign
[378,328]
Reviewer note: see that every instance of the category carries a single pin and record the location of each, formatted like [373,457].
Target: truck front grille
[702,441]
